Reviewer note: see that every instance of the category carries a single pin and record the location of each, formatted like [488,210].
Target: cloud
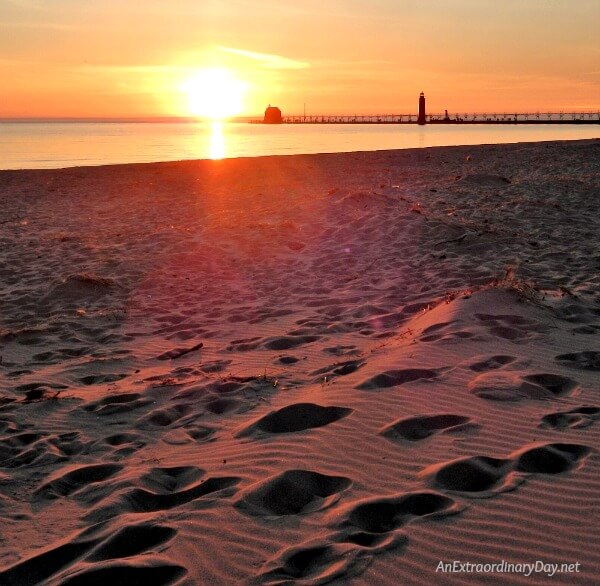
[267,60]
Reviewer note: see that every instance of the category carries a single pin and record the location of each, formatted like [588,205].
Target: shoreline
[187,147]
[315,368]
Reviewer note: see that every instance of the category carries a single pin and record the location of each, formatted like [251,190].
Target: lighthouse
[421,118]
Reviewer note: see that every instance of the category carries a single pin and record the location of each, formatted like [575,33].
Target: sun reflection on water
[217,141]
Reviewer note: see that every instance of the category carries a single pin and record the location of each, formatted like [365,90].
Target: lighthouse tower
[421,118]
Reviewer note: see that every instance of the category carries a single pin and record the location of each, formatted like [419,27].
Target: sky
[127,58]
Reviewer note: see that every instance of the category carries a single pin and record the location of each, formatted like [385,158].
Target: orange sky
[115,58]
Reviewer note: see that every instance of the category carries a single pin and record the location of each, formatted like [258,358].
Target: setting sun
[214,93]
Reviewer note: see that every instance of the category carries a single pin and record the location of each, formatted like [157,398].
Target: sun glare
[214,93]
[217,141]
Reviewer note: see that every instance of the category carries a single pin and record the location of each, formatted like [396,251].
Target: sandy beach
[342,368]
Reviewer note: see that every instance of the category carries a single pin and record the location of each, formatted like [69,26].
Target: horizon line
[117,119]
[245,118]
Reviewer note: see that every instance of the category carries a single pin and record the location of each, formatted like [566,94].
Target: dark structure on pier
[273,115]
[421,117]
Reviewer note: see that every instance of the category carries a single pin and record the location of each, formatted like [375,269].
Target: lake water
[35,145]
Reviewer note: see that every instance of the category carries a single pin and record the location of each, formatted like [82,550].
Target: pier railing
[468,118]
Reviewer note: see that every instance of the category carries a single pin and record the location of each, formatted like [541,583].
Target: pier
[472,118]
[273,115]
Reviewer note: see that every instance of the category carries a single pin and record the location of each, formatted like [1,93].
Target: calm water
[35,145]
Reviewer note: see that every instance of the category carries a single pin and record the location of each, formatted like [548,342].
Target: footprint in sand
[132,540]
[476,476]
[140,500]
[486,363]
[176,353]
[220,406]
[510,386]
[338,369]
[154,572]
[437,332]
[375,522]
[189,433]
[296,417]
[164,417]
[421,427]
[587,329]
[214,366]
[225,396]
[37,391]
[244,345]
[200,433]
[577,418]
[124,444]
[121,403]
[171,478]
[341,350]
[550,458]
[71,482]
[288,342]
[287,360]
[69,443]
[101,545]
[98,379]
[484,476]
[361,530]
[225,386]
[515,328]
[13,445]
[40,451]
[394,378]
[293,492]
[314,563]
[587,360]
